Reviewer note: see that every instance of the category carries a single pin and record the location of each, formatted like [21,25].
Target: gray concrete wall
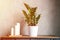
[56,18]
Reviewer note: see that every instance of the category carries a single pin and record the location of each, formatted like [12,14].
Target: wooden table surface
[29,37]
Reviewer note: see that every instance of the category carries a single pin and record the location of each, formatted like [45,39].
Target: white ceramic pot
[33,31]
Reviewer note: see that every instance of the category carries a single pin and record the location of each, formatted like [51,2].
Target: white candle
[17,29]
[12,31]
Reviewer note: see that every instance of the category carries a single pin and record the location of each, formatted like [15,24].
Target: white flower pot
[33,31]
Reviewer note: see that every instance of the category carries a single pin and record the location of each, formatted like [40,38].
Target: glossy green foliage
[31,17]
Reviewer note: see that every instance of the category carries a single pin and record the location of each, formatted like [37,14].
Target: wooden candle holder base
[15,36]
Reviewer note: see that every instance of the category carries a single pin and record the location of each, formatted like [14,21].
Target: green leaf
[27,6]
[25,14]
[37,18]
[33,10]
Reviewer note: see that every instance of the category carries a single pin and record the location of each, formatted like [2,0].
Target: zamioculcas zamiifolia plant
[31,17]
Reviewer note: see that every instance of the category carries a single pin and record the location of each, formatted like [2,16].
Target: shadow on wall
[56,18]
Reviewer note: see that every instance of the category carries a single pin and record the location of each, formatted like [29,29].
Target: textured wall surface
[10,13]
